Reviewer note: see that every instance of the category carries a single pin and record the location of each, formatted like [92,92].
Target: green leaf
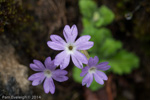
[87,7]
[86,22]
[76,74]
[98,36]
[95,86]
[110,47]
[106,15]
[123,62]
[98,20]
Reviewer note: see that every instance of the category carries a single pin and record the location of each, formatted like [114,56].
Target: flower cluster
[70,48]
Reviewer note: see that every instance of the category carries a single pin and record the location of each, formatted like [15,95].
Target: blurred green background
[119,29]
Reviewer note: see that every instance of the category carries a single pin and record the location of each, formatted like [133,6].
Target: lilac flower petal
[102,75]
[35,67]
[81,57]
[55,45]
[90,62]
[84,71]
[39,64]
[103,66]
[60,57]
[85,45]
[38,80]
[98,79]
[60,78]
[96,59]
[77,62]
[66,33]
[70,34]
[35,76]
[57,39]
[93,61]
[59,72]
[74,33]
[82,39]
[47,61]
[65,62]
[49,64]
[49,86]
[87,80]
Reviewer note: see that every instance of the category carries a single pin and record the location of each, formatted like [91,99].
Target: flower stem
[85,53]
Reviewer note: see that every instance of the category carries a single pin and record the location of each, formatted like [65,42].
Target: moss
[11,14]
[22,30]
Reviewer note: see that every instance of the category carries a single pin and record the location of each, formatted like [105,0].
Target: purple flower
[70,47]
[93,70]
[47,72]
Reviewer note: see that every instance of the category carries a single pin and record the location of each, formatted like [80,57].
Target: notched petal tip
[96,58]
[82,74]
[48,58]
[67,26]
[52,36]
[108,66]
[36,82]
[30,78]
[55,46]
[52,92]
[74,25]
[65,72]
[87,85]
[92,43]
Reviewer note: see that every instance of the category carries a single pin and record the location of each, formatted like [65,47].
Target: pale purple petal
[82,39]
[65,62]
[96,60]
[70,34]
[87,80]
[60,78]
[84,71]
[38,80]
[35,76]
[98,79]
[93,61]
[59,72]
[60,57]
[49,64]
[80,57]
[57,39]
[77,62]
[49,86]
[74,33]
[90,62]
[39,64]
[55,45]
[103,66]
[67,33]
[85,45]
[102,75]
[35,67]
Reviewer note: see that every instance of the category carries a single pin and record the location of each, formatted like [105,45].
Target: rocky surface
[11,71]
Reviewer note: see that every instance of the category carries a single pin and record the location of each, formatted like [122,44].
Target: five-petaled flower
[93,70]
[47,72]
[70,47]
